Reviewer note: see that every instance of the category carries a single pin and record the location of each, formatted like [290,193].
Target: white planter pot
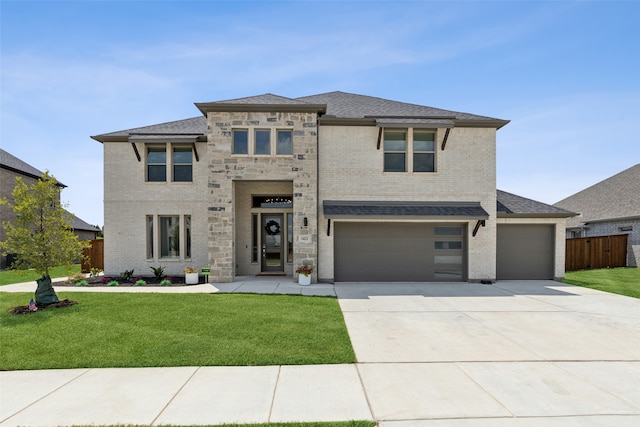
[304,280]
[191,278]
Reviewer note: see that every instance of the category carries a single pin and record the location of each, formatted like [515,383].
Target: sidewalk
[182,396]
[512,354]
[242,284]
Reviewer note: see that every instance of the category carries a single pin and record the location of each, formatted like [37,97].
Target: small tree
[41,236]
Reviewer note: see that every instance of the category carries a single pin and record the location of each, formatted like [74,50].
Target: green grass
[623,281]
[139,330]
[8,277]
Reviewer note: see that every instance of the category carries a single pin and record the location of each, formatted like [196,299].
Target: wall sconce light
[305,221]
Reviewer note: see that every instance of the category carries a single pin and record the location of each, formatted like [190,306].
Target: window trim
[410,151]
[156,147]
[184,147]
[153,237]
[251,141]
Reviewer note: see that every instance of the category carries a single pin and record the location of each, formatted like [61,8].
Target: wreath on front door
[272,228]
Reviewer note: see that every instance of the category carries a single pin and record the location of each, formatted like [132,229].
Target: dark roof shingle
[511,204]
[614,197]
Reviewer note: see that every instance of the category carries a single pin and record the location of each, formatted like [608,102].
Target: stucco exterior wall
[225,169]
[560,246]
[128,199]
[352,169]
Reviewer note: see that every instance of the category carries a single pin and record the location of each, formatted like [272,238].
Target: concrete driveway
[495,355]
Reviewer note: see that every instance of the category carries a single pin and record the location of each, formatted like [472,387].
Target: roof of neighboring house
[14,164]
[79,224]
[511,205]
[613,198]
[332,106]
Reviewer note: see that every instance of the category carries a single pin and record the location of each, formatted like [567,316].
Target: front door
[272,242]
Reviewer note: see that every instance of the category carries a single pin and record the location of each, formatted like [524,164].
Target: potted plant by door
[304,274]
[191,275]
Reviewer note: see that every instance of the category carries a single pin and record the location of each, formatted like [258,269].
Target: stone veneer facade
[225,217]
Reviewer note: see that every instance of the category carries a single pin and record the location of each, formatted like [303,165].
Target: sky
[565,73]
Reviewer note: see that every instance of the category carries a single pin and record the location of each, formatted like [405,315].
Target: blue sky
[567,75]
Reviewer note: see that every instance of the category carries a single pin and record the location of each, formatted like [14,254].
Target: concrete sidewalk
[241,284]
[512,354]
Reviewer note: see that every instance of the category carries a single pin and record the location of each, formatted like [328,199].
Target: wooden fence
[588,253]
[93,256]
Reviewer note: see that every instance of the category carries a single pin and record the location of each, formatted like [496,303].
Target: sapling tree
[41,235]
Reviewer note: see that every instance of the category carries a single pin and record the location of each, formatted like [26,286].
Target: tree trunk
[45,294]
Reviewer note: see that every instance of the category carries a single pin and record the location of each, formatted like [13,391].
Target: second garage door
[525,252]
[398,252]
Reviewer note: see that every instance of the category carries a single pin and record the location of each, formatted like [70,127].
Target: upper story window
[409,150]
[262,142]
[395,151]
[157,164]
[284,144]
[240,141]
[182,164]
[424,150]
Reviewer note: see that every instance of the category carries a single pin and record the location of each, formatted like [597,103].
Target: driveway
[495,355]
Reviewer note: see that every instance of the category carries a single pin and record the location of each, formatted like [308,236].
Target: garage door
[398,252]
[525,252]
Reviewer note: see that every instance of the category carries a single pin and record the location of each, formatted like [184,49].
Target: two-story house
[11,168]
[364,188]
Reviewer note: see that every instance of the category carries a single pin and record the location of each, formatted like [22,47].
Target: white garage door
[525,252]
[399,252]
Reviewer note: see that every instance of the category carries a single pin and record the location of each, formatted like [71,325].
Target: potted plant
[304,274]
[191,275]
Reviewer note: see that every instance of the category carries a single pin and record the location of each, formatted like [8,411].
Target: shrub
[94,272]
[140,282]
[82,283]
[106,280]
[127,275]
[113,283]
[166,281]
[75,277]
[157,272]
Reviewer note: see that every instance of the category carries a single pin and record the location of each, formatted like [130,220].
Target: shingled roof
[332,106]
[12,163]
[613,198]
[511,205]
[390,209]
[352,106]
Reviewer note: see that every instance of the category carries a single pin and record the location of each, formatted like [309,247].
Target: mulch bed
[24,309]
[102,282]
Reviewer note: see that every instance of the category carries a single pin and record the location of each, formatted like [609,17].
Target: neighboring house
[364,188]
[609,207]
[10,168]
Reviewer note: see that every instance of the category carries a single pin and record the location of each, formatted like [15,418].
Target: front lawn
[141,330]
[623,281]
[8,277]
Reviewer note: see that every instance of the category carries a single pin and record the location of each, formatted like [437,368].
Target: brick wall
[352,169]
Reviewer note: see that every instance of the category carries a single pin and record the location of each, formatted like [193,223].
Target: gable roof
[14,164]
[332,107]
[613,198]
[511,205]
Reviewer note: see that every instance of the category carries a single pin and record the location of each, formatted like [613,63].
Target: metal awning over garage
[403,210]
